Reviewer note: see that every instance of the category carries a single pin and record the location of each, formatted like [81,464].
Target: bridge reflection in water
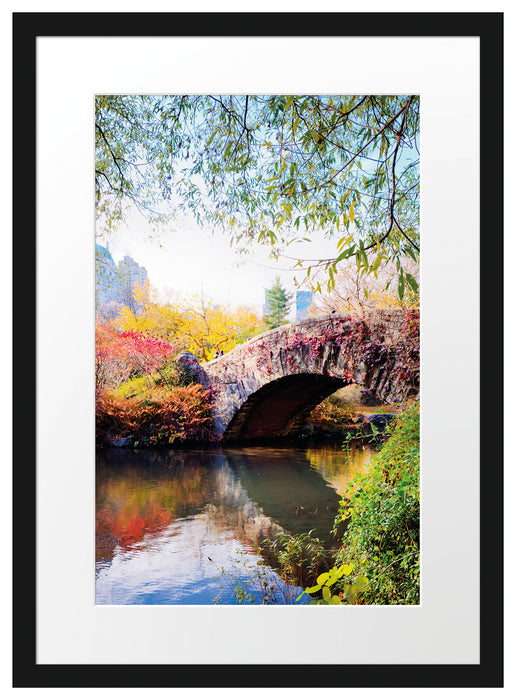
[288,491]
[169,522]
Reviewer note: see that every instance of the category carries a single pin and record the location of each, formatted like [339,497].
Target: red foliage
[119,355]
[129,521]
[354,340]
[144,351]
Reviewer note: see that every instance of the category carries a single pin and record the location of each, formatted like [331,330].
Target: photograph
[257,349]
[257,328]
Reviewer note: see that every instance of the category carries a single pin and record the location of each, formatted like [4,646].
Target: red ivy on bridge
[354,341]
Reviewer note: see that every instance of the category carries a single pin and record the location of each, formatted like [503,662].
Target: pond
[179,527]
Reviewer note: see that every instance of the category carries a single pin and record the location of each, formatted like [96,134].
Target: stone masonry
[268,386]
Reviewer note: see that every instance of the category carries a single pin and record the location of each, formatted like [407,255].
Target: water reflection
[339,467]
[285,487]
[178,527]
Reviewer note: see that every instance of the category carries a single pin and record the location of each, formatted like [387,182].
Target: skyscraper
[303,303]
[114,286]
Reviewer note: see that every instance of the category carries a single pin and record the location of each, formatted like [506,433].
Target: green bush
[381,510]
[378,561]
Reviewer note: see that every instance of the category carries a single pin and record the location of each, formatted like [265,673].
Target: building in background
[114,286]
[303,303]
[131,274]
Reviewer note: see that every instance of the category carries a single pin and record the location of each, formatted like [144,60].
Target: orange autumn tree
[193,323]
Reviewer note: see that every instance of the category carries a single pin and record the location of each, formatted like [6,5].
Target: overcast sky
[192,259]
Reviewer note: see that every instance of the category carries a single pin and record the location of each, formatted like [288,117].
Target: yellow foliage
[192,323]
[208,328]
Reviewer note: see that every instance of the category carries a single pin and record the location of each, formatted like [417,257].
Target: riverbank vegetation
[381,511]
[376,557]
[161,417]
[143,399]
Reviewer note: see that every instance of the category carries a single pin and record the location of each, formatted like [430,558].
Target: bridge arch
[268,386]
[280,407]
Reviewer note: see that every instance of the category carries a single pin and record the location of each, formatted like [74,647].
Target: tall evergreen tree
[277,304]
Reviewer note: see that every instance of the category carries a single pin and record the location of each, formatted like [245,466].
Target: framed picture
[62,635]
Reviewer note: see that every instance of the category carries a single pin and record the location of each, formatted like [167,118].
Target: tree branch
[115,159]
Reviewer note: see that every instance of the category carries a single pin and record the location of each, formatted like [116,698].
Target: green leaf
[346,569]
[363,255]
[412,282]
[322,578]
[312,589]
[401,284]
[377,262]
[361,581]
[326,593]
[350,593]
[346,254]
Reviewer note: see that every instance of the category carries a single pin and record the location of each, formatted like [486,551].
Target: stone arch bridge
[269,385]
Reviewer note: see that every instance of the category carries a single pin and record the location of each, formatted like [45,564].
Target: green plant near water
[335,586]
[365,432]
[256,577]
[299,558]
[382,508]
[381,512]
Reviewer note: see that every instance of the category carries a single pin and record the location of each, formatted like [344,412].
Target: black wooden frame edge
[26,28]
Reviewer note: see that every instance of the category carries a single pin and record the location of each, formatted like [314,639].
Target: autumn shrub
[161,417]
[120,356]
[174,374]
[170,376]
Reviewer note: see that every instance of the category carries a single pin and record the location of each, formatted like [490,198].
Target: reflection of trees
[339,466]
[236,512]
[252,493]
[285,487]
[140,493]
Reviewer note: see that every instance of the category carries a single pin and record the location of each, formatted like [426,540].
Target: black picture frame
[27,27]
